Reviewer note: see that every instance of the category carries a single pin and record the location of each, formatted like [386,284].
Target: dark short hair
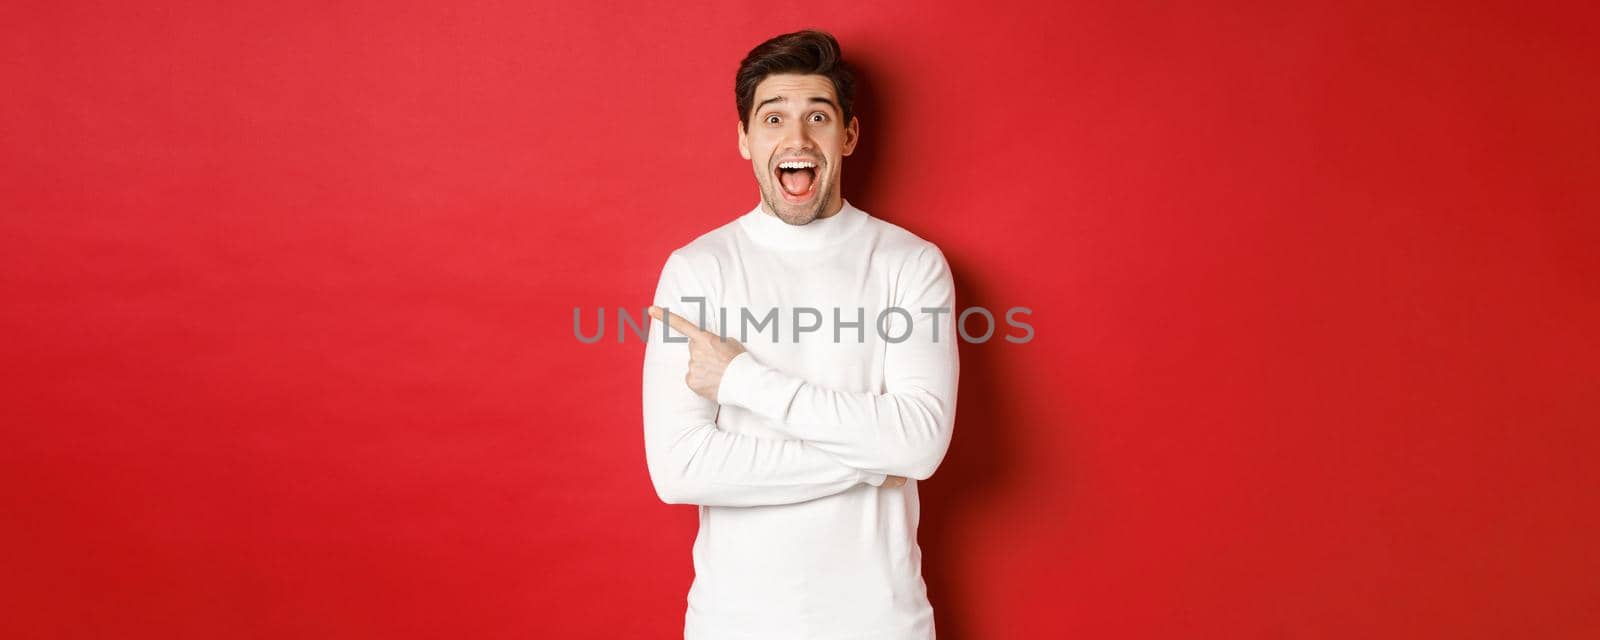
[805,52]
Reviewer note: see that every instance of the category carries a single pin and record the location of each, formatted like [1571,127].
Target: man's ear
[744,141]
[852,135]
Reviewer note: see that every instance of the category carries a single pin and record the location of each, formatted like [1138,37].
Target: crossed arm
[836,439]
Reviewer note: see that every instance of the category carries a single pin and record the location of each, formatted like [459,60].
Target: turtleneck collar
[768,230]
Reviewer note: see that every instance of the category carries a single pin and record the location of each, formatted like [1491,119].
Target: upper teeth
[797,164]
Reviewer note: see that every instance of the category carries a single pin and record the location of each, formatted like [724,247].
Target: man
[801,442]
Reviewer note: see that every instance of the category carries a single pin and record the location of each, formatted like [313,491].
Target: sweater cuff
[749,384]
[874,479]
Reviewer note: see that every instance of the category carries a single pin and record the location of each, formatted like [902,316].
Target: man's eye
[771,119]
[818,117]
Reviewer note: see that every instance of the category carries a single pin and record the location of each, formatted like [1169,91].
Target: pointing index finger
[680,323]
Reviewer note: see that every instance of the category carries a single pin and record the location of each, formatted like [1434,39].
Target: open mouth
[797,179]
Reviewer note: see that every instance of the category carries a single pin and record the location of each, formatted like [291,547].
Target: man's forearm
[705,465]
[692,461]
[905,432]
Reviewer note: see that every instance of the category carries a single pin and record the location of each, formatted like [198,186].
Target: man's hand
[709,353]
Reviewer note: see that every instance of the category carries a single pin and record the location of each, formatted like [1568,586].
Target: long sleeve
[903,431]
[691,460]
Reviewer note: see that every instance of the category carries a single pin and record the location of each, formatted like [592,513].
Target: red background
[288,296]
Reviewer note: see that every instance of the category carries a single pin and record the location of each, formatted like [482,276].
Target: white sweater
[797,539]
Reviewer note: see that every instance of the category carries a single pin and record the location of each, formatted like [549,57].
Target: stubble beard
[785,212]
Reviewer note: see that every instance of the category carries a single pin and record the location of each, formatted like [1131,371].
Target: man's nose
[796,137]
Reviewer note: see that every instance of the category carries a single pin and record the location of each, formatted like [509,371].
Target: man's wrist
[748,384]
[730,389]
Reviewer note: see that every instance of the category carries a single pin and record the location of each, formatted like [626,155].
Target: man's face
[796,119]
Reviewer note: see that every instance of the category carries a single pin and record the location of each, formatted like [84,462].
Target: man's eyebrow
[822,99]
